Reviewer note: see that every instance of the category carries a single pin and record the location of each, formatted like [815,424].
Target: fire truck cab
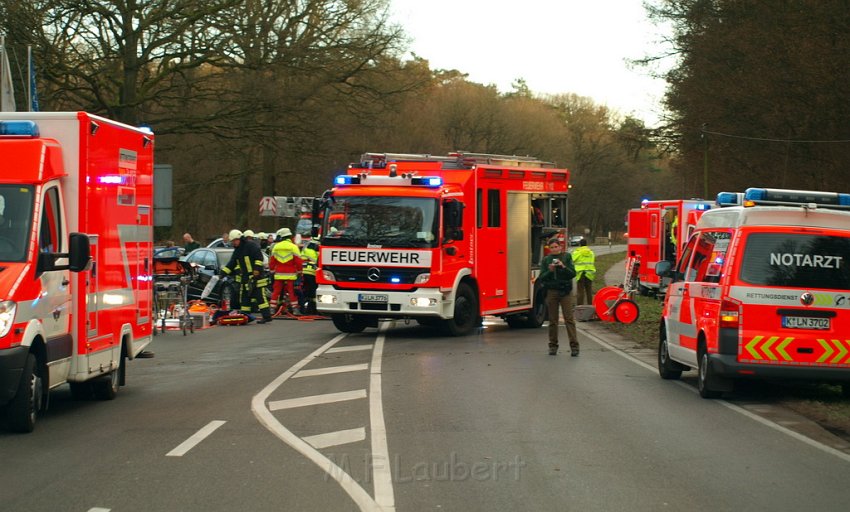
[656,232]
[443,240]
[762,289]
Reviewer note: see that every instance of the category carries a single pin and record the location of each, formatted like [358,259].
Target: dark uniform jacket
[561,278]
[245,260]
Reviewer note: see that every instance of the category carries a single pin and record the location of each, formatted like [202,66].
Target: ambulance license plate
[373,297]
[805,322]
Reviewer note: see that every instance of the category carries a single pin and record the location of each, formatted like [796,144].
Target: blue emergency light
[345,179]
[18,128]
[730,199]
[428,181]
[702,206]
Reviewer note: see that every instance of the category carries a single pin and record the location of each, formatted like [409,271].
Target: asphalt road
[293,416]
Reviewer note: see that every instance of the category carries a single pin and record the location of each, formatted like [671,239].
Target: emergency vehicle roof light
[778,196]
[729,199]
[344,179]
[19,128]
[428,181]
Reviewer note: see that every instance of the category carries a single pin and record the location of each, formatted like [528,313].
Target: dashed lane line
[351,348]
[196,438]
[328,398]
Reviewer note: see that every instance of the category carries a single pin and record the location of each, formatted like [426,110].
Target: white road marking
[775,426]
[381,472]
[331,370]
[196,438]
[351,348]
[337,438]
[98,509]
[328,398]
[268,420]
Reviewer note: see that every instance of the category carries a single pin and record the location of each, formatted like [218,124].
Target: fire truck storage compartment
[518,239]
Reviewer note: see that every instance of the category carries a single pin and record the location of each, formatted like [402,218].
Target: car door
[677,309]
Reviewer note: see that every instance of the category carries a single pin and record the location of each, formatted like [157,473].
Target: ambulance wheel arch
[709,385]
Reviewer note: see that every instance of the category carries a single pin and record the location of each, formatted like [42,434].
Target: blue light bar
[796,197]
[344,179]
[729,199]
[19,128]
[395,279]
[428,181]
[702,206]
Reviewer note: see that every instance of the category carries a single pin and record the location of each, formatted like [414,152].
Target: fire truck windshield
[363,221]
[16,203]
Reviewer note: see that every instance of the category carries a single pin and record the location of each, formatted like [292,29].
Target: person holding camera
[556,278]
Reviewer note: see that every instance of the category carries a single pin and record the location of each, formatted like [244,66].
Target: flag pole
[29,78]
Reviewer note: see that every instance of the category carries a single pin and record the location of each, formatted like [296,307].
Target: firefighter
[672,223]
[310,256]
[286,263]
[247,263]
[584,262]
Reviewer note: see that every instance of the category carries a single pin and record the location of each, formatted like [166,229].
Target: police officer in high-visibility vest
[310,255]
[286,263]
[247,262]
[584,262]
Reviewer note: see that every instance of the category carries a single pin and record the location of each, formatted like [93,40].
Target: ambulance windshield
[366,221]
[16,203]
[797,260]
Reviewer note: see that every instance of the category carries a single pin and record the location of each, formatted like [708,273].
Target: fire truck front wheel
[348,323]
[466,315]
[27,404]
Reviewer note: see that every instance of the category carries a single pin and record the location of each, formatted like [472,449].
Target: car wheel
[465,312]
[705,377]
[667,368]
[26,406]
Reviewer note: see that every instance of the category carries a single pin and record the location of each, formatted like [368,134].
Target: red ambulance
[761,290]
[76,233]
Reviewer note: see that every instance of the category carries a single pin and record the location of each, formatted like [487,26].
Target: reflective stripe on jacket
[287,260]
[310,255]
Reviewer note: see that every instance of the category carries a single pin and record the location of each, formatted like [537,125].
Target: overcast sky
[557,46]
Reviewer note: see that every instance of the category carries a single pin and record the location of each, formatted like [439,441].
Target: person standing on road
[585,264]
[247,260]
[557,279]
[310,257]
[286,263]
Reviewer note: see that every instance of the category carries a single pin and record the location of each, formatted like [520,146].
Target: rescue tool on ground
[761,290]
[443,240]
[76,250]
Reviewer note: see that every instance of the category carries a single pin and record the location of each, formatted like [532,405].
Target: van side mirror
[79,253]
[664,269]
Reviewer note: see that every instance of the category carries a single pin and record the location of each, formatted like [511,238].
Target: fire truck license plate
[805,322]
[373,297]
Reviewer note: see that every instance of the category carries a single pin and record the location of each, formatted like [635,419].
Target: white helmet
[234,234]
[262,235]
[284,232]
[248,233]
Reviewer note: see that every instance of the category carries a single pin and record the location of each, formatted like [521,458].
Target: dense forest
[250,98]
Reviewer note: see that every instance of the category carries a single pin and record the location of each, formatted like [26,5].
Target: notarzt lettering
[410,258]
[806,260]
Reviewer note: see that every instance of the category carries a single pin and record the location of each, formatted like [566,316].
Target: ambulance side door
[677,299]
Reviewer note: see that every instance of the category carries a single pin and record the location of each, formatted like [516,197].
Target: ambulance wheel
[705,377]
[26,406]
[106,387]
[345,322]
[465,313]
[626,311]
[667,368]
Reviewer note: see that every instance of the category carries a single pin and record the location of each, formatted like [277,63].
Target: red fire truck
[657,230]
[75,249]
[444,240]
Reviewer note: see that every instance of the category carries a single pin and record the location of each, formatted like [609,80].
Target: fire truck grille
[367,275]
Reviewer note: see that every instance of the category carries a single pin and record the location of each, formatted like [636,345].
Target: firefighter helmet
[262,235]
[284,232]
[234,234]
[248,233]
